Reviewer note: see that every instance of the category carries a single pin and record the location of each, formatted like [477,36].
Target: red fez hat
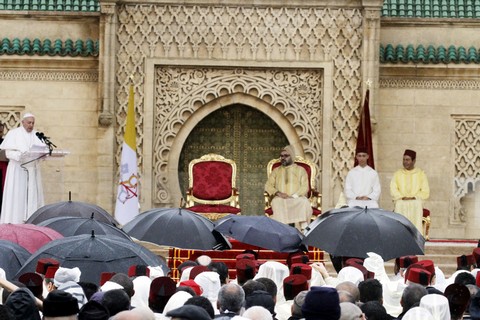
[105,276]
[293,285]
[418,275]
[33,281]
[197,270]
[249,256]
[162,287]
[246,270]
[188,263]
[301,268]
[361,149]
[297,257]
[406,261]
[138,270]
[427,265]
[476,255]
[44,263]
[192,284]
[50,273]
[465,260]
[358,263]
[458,297]
[412,154]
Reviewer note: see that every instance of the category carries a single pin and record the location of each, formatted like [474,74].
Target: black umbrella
[176,227]
[74,226]
[353,232]
[94,255]
[72,209]
[13,256]
[261,231]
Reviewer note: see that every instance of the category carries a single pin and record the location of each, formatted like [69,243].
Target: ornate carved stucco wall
[240,36]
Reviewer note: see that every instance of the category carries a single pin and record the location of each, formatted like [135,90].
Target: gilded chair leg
[426,228]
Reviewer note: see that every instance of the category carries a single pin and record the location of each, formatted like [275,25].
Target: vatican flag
[127,196]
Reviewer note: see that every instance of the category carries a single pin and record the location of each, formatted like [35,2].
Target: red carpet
[454,241]
[177,256]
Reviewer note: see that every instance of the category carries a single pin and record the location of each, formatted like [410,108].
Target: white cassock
[23,191]
[362,182]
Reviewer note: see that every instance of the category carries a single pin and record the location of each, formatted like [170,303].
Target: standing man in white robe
[362,185]
[23,192]
[288,184]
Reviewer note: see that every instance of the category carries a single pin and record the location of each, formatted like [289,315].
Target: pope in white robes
[23,192]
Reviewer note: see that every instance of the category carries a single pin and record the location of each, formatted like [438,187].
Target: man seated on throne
[288,184]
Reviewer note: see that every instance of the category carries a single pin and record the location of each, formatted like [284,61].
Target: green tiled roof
[87,48]
[51,5]
[431,8]
[428,55]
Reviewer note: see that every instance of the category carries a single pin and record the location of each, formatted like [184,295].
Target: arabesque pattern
[297,94]
[467,160]
[247,33]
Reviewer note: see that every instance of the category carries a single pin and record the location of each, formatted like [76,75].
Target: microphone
[45,139]
[40,136]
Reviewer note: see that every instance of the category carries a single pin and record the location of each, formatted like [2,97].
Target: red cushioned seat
[212,188]
[426,213]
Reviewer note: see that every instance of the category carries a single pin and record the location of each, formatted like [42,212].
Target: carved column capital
[107,7]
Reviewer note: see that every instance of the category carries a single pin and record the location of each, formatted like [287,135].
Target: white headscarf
[351,274]
[418,313]
[440,281]
[209,281]
[277,272]
[176,301]
[64,275]
[451,280]
[141,285]
[437,304]
[185,274]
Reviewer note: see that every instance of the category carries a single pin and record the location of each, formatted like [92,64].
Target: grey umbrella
[72,209]
[176,227]
[352,232]
[261,231]
[94,255]
[74,226]
[13,256]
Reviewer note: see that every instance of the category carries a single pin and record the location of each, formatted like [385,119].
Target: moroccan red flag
[364,138]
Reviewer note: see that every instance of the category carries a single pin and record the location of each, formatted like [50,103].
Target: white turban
[64,275]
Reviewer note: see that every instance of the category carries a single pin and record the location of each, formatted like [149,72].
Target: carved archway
[245,102]
[292,98]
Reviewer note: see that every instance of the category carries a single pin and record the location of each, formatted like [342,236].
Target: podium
[51,177]
[38,153]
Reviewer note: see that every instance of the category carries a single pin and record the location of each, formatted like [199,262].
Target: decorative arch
[185,95]
[212,106]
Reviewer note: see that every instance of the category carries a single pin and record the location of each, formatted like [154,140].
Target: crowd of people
[261,290]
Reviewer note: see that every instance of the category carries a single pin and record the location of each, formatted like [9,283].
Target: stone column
[108,26]
[371,56]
